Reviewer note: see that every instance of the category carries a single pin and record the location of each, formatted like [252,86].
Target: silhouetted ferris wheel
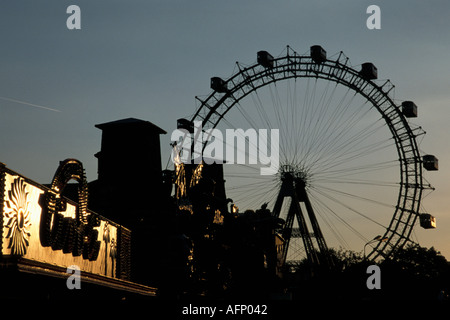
[349,163]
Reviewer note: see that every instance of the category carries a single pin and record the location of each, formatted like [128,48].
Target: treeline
[410,273]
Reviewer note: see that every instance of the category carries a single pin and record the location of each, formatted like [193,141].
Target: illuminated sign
[39,225]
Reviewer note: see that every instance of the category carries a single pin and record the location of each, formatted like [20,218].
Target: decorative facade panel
[38,224]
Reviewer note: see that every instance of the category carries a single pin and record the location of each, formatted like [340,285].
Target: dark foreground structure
[96,234]
[135,231]
[141,232]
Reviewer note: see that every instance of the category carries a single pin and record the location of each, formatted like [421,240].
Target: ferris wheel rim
[251,78]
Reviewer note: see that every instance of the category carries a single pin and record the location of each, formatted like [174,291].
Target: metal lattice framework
[248,79]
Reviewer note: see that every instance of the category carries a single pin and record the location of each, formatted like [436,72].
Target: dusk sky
[149,59]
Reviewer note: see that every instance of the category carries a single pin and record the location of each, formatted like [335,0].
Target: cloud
[29,104]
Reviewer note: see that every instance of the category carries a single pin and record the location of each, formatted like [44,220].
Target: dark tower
[129,183]
[133,144]
[129,188]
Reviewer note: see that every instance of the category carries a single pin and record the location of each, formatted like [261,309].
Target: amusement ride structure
[350,166]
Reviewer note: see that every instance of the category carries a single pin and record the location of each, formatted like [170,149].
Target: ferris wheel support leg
[287,190]
[318,235]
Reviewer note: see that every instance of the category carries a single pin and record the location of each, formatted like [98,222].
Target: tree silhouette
[410,273]
[416,272]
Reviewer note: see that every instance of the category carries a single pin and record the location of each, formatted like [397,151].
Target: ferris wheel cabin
[318,54]
[430,162]
[409,109]
[265,59]
[427,221]
[219,85]
[185,124]
[369,71]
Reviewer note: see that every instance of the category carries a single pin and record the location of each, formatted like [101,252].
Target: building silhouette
[129,189]
[129,184]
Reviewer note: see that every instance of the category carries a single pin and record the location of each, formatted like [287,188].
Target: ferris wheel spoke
[332,213]
[356,147]
[343,145]
[354,170]
[355,196]
[259,106]
[328,215]
[347,165]
[357,144]
[316,124]
[348,207]
[346,180]
[280,119]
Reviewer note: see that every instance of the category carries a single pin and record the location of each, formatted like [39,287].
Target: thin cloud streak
[29,104]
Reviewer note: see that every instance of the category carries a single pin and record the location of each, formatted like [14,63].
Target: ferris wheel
[350,172]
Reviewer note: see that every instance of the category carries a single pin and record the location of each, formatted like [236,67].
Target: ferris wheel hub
[294,173]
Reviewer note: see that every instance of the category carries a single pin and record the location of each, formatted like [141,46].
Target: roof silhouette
[130,122]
